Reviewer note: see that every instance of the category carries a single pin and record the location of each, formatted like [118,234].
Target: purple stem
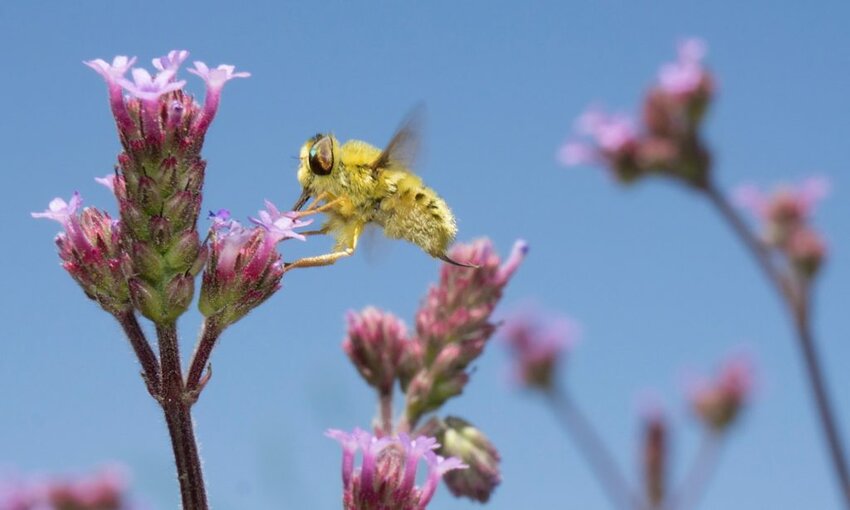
[595,452]
[178,416]
[143,350]
[798,304]
[209,336]
[699,473]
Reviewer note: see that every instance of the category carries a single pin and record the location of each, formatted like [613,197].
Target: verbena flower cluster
[430,365]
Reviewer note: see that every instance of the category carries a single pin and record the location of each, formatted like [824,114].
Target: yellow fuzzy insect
[356,183]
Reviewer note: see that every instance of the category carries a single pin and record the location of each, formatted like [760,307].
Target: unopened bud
[717,403]
[375,344]
[146,299]
[461,439]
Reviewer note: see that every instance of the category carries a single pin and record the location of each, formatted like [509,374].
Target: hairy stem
[209,336]
[699,474]
[798,305]
[385,404]
[591,446]
[143,350]
[179,419]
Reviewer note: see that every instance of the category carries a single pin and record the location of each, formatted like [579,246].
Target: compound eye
[321,157]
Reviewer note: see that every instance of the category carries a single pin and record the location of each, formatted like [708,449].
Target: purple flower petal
[280,225]
[149,88]
[170,62]
[61,211]
[111,72]
[216,78]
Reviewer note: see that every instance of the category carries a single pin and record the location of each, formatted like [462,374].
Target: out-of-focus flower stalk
[669,144]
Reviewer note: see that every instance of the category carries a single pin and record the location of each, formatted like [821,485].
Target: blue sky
[657,282]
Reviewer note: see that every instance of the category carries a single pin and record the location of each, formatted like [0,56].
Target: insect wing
[403,147]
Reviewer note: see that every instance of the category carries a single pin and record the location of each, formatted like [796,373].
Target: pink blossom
[280,225]
[386,477]
[170,62]
[61,211]
[686,75]
[717,402]
[150,88]
[217,77]
[114,72]
[537,342]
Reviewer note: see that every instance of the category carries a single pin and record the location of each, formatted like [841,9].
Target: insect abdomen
[417,214]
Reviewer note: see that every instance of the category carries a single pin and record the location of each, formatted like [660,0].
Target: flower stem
[143,350]
[591,446]
[798,304]
[209,336]
[179,419]
[699,473]
[385,404]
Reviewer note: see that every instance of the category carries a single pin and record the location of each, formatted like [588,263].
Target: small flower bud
[244,268]
[147,262]
[146,299]
[92,251]
[807,251]
[185,251]
[537,343]
[717,403]
[461,439]
[375,343]
[178,293]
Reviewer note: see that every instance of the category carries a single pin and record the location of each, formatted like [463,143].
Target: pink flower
[61,211]
[686,75]
[610,132]
[243,270]
[280,225]
[216,78]
[786,203]
[114,72]
[149,88]
[92,251]
[718,402]
[386,477]
[170,62]
[375,343]
[537,342]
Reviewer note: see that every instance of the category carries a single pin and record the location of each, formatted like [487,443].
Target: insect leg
[322,208]
[328,258]
[319,260]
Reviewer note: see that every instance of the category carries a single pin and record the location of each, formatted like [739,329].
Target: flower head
[386,477]
[453,323]
[375,343]
[603,138]
[92,251]
[102,490]
[244,268]
[537,343]
[785,215]
[718,402]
